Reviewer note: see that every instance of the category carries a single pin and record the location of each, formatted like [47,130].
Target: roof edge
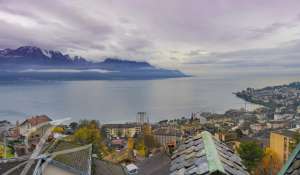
[290,160]
[214,162]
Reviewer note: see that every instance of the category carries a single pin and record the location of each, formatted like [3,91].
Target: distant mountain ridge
[30,55]
[18,61]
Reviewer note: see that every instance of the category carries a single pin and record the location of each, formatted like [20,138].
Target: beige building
[280,142]
[32,122]
[167,136]
[122,130]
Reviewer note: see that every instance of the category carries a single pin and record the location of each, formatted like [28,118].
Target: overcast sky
[232,34]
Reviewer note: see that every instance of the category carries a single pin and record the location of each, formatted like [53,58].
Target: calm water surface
[119,101]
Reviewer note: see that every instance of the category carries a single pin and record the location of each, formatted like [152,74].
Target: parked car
[132,169]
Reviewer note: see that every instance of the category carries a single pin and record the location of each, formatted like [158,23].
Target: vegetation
[296,141]
[89,133]
[58,130]
[270,163]
[9,152]
[73,125]
[251,154]
[144,144]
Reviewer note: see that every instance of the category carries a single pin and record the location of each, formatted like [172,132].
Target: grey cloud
[144,30]
[281,56]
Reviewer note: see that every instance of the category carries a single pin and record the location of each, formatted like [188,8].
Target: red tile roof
[36,120]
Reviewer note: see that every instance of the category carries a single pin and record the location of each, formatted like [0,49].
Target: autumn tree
[58,129]
[270,163]
[251,154]
[89,133]
[145,143]
[1,151]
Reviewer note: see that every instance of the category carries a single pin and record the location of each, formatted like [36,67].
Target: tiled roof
[204,155]
[72,158]
[77,160]
[15,167]
[35,120]
[292,166]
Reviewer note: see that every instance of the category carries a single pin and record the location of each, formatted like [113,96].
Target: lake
[119,101]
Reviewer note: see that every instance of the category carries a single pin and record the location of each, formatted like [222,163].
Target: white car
[132,169]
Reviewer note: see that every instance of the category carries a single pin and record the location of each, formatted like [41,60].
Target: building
[142,118]
[257,127]
[277,124]
[168,136]
[4,125]
[281,116]
[216,118]
[32,122]
[280,143]
[292,166]
[121,130]
[226,136]
[204,155]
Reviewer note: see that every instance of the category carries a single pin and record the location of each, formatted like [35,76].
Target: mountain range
[29,62]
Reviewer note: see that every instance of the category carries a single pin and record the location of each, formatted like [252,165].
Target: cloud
[232,32]
[286,56]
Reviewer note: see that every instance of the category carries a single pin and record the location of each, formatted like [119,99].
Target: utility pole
[5,142]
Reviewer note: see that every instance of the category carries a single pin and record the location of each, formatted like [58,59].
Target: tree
[139,145]
[89,133]
[270,163]
[145,143]
[73,125]
[295,142]
[251,154]
[1,151]
[58,130]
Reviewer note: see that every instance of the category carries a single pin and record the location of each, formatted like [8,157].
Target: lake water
[119,101]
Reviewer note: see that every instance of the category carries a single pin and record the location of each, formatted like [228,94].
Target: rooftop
[126,125]
[35,120]
[285,132]
[203,154]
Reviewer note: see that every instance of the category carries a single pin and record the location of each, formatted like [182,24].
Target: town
[239,141]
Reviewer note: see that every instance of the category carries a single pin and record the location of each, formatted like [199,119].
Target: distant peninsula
[33,63]
[282,98]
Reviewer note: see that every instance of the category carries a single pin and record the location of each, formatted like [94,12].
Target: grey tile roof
[75,161]
[204,155]
[15,167]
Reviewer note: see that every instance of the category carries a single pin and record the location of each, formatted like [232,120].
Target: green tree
[74,125]
[145,143]
[251,154]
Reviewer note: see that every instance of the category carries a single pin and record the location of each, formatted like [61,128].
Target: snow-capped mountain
[34,62]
